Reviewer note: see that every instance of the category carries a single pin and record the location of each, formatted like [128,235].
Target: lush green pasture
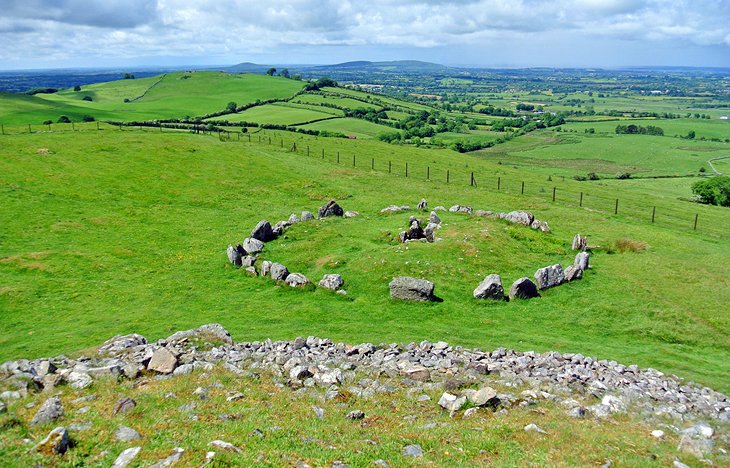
[703,128]
[377,99]
[355,127]
[119,232]
[173,95]
[282,114]
[349,103]
[569,154]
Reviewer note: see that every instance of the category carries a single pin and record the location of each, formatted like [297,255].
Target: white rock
[126,457]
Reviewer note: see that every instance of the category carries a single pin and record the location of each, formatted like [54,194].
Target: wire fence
[695,217]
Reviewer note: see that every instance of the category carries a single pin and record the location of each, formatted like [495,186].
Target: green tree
[64,119]
[128,76]
[691,135]
[77,88]
[713,191]
[231,107]
[271,71]
[284,73]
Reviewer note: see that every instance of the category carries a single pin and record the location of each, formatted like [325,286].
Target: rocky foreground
[692,411]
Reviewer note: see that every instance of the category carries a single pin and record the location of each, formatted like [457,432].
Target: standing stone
[263,231]
[248,261]
[278,272]
[265,268]
[415,231]
[422,205]
[573,273]
[520,217]
[523,288]
[411,289]
[332,281]
[252,245]
[307,216]
[490,288]
[55,443]
[330,209]
[234,256]
[293,219]
[51,410]
[581,260]
[126,457]
[430,231]
[579,243]
[163,361]
[296,280]
[550,276]
[434,218]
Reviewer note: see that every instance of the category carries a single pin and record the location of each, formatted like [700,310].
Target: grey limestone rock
[355,414]
[234,256]
[519,217]
[351,214]
[412,450]
[296,280]
[332,281]
[579,243]
[124,405]
[122,343]
[163,361]
[540,225]
[211,331]
[581,260]
[252,245]
[126,457]
[573,273]
[490,288]
[549,276]
[411,289]
[451,402]
[278,272]
[55,443]
[422,205]
[265,268]
[307,216]
[523,288]
[126,434]
[293,219]
[263,231]
[51,410]
[330,209]
[434,218]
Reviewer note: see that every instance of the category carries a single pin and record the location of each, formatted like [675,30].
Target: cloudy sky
[605,33]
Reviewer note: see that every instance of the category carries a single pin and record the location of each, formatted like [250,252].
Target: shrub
[47,122]
[88,118]
[703,170]
[87,98]
[592,176]
[77,88]
[630,245]
[713,191]
[64,119]
[580,178]
[623,175]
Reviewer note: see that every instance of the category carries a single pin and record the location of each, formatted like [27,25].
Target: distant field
[338,101]
[281,114]
[703,128]
[355,127]
[608,154]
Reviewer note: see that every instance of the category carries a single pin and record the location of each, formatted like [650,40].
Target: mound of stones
[315,362]
[416,233]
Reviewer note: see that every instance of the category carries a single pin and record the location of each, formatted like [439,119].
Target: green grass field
[354,127]
[125,231]
[282,114]
[174,95]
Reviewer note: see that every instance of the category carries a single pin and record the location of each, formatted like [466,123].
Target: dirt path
[709,161]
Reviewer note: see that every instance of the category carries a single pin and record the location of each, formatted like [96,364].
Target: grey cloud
[104,14]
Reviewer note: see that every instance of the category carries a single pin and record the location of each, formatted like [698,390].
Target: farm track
[709,161]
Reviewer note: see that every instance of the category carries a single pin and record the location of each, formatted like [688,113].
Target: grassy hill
[173,95]
[116,232]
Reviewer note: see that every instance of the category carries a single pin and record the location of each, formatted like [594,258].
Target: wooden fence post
[499,183]
[390,165]
[406,168]
[523,188]
[428,172]
[615,211]
[696,216]
[553,193]
[580,203]
[653,212]
[447,176]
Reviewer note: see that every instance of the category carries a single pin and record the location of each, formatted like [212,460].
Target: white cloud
[128,28]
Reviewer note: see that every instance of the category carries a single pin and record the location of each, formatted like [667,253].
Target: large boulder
[434,218]
[296,280]
[579,243]
[332,281]
[234,254]
[307,216]
[540,225]
[415,231]
[581,260]
[490,288]
[573,273]
[51,410]
[411,289]
[523,288]
[252,245]
[519,217]
[55,443]
[422,205]
[293,219]
[430,231]
[330,209]
[549,276]
[461,209]
[278,272]
[263,231]
[163,361]
[211,332]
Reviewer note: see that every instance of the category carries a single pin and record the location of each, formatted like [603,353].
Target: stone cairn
[304,363]
[244,255]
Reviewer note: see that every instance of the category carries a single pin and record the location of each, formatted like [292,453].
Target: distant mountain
[406,66]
